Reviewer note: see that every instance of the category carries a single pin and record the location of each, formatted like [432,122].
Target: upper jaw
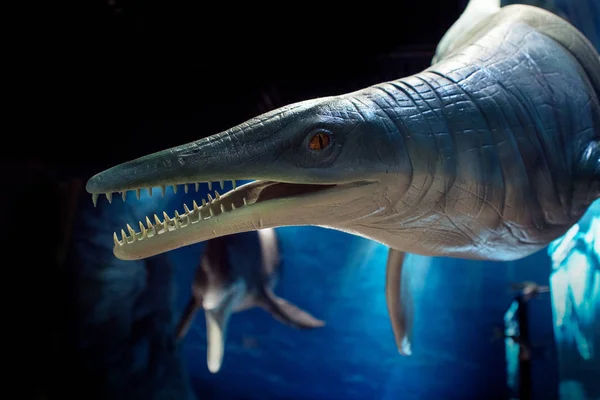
[238,153]
[184,164]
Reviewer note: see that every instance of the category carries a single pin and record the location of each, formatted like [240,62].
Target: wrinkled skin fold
[491,153]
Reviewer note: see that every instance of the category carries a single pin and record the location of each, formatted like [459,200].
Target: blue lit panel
[575,288]
[511,329]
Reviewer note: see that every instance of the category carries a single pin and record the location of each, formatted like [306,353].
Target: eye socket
[319,141]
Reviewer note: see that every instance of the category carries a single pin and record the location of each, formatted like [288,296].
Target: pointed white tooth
[234,184]
[137,193]
[203,202]
[209,197]
[150,192]
[196,210]
[95,199]
[222,208]
[109,197]
[197,185]
[209,185]
[124,195]
[157,220]
[124,236]
[150,226]
[175,189]
[232,206]
[116,239]
[212,214]
[245,202]
[131,232]
[163,191]
[217,195]
[143,230]
[187,214]
[185,188]
[222,184]
[166,221]
[177,220]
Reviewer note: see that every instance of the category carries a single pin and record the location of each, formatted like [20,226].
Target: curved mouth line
[246,195]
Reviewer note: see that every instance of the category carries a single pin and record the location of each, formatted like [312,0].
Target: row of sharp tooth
[162,191]
[177,222]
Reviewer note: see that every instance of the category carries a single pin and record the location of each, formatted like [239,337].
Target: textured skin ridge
[517,105]
[491,153]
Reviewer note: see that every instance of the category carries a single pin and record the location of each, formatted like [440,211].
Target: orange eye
[319,141]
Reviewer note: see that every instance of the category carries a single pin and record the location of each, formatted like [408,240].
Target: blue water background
[335,276]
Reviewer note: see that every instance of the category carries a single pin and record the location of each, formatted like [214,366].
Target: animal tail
[186,318]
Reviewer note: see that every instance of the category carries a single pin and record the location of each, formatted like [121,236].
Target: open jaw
[239,210]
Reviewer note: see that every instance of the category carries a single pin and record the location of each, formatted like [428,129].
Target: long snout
[244,152]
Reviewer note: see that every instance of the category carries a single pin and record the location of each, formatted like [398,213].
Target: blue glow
[575,288]
[340,278]
[511,329]
[336,277]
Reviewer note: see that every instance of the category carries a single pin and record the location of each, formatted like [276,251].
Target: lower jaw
[253,206]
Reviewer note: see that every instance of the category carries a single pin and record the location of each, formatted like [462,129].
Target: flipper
[399,301]
[288,313]
[216,328]
[187,317]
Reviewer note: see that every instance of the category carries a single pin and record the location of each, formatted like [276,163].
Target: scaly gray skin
[491,153]
[238,272]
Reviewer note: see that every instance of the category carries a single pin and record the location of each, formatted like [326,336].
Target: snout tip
[94,184]
[104,182]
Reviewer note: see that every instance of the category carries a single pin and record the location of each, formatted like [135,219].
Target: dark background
[141,76]
[108,81]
